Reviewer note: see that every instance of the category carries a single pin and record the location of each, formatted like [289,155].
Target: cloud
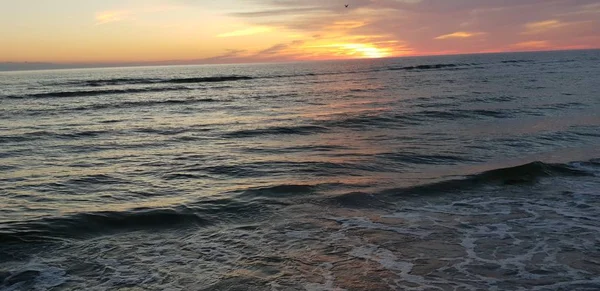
[278,49]
[276,12]
[534,44]
[357,50]
[231,54]
[414,27]
[134,13]
[593,8]
[277,52]
[459,34]
[246,31]
[542,26]
[556,26]
[111,16]
[345,25]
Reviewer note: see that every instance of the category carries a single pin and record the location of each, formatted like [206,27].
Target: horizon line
[198,62]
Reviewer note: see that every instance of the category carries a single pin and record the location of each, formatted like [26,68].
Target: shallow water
[475,172]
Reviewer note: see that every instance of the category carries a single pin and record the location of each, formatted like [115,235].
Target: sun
[351,50]
[365,50]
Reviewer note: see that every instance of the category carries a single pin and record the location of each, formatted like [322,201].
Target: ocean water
[473,172]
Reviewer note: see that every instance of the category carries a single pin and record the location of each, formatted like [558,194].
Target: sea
[466,172]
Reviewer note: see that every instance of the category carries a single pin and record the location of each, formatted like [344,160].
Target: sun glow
[139,32]
[365,50]
[353,50]
[246,32]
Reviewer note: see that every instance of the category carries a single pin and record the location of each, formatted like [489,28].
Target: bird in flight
[346,5]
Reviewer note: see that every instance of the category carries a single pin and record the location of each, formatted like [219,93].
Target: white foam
[363,222]
[48,277]
[329,280]
[300,234]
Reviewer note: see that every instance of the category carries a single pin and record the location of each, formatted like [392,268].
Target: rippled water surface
[477,172]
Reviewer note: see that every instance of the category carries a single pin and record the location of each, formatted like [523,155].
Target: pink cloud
[467,26]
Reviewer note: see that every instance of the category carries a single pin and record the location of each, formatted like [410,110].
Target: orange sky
[226,31]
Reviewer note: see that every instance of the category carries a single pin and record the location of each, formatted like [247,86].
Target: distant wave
[111,82]
[213,79]
[37,135]
[424,159]
[395,120]
[134,104]
[462,114]
[430,67]
[296,130]
[368,120]
[268,168]
[85,134]
[117,105]
[279,191]
[135,81]
[517,61]
[64,94]
[206,79]
[373,119]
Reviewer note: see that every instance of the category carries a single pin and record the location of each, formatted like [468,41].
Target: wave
[395,120]
[270,168]
[83,134]
[254,202]
[453,114]
[523,174]
[517,61]
[526,174]
[214,79]
[369,120]
[429,67]
[83,225]
[424,159]
[278,130]
[279,191]
[229,78]
[117,105]
[135,104]
[89,223]
[65,94]
[111,82]
[138,81]
[37,135]
[207,79]
[294,149]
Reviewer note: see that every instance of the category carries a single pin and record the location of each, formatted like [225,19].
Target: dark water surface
[477,172]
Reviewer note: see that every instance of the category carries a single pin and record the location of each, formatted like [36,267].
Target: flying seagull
[346,5]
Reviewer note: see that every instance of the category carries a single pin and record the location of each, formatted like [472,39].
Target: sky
[228,31]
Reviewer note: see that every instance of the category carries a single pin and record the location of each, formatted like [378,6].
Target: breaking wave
[526,174]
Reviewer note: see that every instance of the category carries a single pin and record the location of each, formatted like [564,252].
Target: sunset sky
[227,31]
